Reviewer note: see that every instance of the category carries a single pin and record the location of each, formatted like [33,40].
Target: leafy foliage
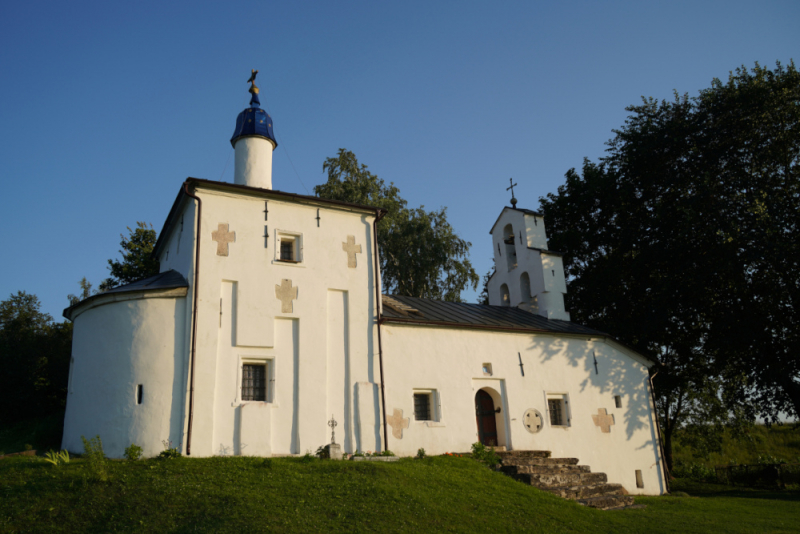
[95,459]
[34,356]
[86,292]
[57,458]
[133,452]
[137,260]
[682,243]
[484,454]
[420,253]
[170,452]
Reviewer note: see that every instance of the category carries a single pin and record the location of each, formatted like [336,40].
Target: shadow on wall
[611,376]
[180,374]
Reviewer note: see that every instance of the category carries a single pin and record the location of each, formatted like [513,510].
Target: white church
[267,320]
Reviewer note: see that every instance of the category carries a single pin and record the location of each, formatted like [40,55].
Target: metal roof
[167,280]
[522,210]
[414,310]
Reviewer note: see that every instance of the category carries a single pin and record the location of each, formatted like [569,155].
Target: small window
[556,412]
[639,479]
[288,247]
[487,369]
[422,407]
[139,393]
[557,408]
[617,401]
[287,250]
[254,382]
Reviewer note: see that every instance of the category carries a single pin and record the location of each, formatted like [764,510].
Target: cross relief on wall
[222,236]
[603,420]
[352,249]
[397,423]
[286,294]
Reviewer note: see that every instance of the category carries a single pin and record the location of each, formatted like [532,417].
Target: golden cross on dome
[252,81]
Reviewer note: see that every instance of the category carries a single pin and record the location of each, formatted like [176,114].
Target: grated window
[287,250]
[556,409]
[254,382]
[422,406]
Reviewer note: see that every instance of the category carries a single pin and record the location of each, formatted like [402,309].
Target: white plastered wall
[450,361]
[116,347]
[307,368]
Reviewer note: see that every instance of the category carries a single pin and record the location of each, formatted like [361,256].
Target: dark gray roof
[528,212]
[462,314]
[167,280]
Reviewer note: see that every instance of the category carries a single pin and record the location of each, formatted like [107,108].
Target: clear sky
[106,107]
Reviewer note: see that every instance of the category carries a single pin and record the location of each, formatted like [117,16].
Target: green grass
[781,442]
[442,494]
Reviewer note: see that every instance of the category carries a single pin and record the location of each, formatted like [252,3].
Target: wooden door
[485,416]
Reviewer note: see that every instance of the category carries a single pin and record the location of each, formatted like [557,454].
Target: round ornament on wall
[532,420]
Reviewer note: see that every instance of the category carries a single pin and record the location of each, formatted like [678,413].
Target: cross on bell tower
[513,200]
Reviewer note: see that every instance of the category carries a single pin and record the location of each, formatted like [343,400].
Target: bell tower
[527,275]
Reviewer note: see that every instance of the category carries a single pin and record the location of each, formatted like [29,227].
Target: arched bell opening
[511,250]
[505,298]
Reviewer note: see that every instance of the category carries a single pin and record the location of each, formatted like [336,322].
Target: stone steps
[555,480]
[565,478]
[544,469]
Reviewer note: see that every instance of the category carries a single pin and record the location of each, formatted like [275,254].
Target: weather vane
[511,181]
[253,89]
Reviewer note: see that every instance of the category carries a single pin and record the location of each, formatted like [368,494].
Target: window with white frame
[557,407]
[426,405]
[256,380]
[288,247]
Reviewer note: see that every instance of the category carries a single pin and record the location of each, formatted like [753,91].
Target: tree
[420,253]
[86,292]
[137,259]
[682,243]
[34,355]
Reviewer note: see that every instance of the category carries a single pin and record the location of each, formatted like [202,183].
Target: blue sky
[106,107]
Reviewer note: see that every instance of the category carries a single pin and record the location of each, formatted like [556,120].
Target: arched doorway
[485,416]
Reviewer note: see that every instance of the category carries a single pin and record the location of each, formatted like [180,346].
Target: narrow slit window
[139,393]
[254,382]
[639,479]
[617,401]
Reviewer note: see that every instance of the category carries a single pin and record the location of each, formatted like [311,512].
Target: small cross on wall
[222,236]
[398,423]
[603,420]
[352,249]
[286,294]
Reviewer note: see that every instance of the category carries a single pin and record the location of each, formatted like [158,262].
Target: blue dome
[253,122]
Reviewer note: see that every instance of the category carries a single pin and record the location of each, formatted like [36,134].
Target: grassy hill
[442,494]
[779,442]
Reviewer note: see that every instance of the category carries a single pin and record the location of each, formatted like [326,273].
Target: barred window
[422,407]
[556,408]
[287,249]
[254,382]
